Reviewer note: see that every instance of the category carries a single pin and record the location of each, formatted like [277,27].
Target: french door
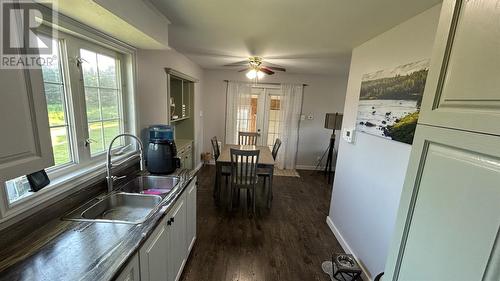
[262,114]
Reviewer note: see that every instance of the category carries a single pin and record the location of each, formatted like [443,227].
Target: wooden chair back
[276,148]
[244,167]
[247,138]
[215,147]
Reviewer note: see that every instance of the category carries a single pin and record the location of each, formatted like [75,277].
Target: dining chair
[215,147]
[225,170]
[267,173]
[247,138]
[276,147]
[244,173]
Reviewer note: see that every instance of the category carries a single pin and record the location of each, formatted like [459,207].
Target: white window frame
[67,100]
[85,170]
[107,52]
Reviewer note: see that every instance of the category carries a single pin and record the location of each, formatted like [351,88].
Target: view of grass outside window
[102,97]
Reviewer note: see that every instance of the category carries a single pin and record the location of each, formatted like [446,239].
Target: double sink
[133,203]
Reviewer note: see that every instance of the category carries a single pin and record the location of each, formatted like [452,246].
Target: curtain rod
[263,83]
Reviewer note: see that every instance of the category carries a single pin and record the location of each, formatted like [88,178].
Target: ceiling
[305,36]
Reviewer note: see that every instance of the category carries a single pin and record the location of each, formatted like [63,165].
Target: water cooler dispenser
[162,153]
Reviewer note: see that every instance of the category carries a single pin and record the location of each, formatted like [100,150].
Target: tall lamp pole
[333,121]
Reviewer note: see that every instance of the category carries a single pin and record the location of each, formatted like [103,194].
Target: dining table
[266,161]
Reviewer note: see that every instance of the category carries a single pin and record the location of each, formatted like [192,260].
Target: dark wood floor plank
[288,242]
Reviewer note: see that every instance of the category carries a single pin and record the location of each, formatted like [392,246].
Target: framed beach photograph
[389,101]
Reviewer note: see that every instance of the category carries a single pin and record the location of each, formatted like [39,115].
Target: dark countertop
[71,250]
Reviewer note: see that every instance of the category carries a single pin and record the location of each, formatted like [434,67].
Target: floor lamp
[333,121]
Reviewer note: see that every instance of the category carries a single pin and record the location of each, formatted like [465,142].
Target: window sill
[60,187]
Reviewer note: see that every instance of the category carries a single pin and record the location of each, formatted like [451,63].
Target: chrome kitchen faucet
[110,178]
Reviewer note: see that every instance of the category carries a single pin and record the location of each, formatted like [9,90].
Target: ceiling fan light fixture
[251,74]
[260,74]
[254,73]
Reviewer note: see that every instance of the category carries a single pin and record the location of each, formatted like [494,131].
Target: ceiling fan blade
[276,68]
[244,69]
[266,70]
[239,63]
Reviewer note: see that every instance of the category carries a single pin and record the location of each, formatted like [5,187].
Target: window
[247,116]
[56,96]
[17,188]
[85,104]
[274,125]
[101,82]
[57,110]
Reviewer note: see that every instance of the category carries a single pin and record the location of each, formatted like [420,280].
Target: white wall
[370,172]
[133,22]
[142,15]
[152,90]
[323,94]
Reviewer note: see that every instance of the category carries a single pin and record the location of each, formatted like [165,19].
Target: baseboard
[343,243]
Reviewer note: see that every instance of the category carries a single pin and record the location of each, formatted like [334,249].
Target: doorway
[262,114]
[273,111]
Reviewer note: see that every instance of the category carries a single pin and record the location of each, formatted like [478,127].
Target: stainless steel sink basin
[160,184]
[134,202]
[123,207]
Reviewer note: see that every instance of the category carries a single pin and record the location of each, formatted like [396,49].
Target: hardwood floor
[289,242]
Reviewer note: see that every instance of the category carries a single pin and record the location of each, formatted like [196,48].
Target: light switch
[348,135]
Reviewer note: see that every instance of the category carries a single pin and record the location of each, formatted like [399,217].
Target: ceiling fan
[257,68]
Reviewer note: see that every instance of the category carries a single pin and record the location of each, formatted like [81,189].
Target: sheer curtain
[238,106]
[291,107]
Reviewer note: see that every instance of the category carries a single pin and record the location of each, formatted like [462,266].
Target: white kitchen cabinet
[463,89]
[189,159]
[26,145]
[185,154]
[180,155]
[164,254]
[153,255]
[448,224]
[449,216]
[131,272]
[177,253]
[191,214]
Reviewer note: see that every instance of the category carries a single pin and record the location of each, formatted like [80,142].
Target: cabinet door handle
[170,221]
